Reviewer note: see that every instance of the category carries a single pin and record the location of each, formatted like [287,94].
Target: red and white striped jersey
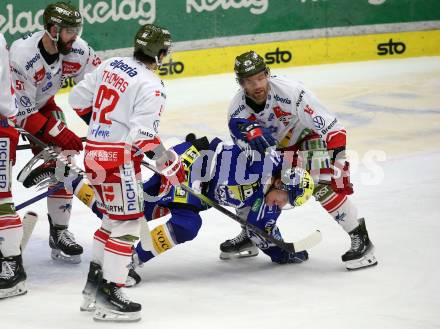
[291,112]
[126,100]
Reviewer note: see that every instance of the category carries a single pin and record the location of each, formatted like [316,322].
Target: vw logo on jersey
[25,101]
[156,126]
[319,122]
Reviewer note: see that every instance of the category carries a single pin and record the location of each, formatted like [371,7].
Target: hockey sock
[343,211]
[117,256]
[59,207]
[99,240]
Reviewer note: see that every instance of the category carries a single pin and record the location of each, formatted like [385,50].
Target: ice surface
[392,106]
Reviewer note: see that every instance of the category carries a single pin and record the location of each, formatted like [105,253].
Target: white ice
[391,109]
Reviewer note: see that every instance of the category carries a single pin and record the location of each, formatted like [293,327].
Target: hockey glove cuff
[340,173]
[171,167]
[55,131]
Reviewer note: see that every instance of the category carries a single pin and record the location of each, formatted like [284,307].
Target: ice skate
[239,247]
[113,305]
[12,277]
[63,244]
[361,253]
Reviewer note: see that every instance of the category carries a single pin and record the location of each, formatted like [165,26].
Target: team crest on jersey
[281,115]
[39,75]
[70,67]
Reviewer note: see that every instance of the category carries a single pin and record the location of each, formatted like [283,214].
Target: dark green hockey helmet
[152,40]
[62,14]
[248,64]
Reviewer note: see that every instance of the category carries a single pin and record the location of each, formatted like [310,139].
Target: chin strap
[158,63]
[54,40]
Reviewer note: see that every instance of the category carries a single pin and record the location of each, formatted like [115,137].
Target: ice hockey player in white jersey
[40,63]
[12,274]
[124,99]
[272,112]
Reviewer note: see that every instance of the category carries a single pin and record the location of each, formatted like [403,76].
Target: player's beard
[261,96]
[64,47]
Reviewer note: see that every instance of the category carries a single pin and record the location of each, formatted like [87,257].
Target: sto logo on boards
[278,56]
[171,68]
[391,48]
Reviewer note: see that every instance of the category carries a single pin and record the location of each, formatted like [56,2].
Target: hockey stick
[43,195]
[49,149]
[308,242]
[28,146]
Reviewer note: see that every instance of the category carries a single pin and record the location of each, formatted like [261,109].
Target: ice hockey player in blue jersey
[226,175]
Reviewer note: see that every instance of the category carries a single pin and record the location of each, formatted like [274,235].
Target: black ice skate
[12,277]
[63,244]
[239,247]
[361,253]
[113,305]
[91,287]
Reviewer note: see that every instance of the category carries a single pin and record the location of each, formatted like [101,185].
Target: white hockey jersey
[35,81]
[291,112]
[127,100]
[7,107]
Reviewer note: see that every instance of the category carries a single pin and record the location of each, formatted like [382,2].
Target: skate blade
[88,304]
[58,255]
[366,261]
[106,315]
[250,252]
[17,290]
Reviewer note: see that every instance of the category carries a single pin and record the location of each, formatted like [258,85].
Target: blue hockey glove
[258,137]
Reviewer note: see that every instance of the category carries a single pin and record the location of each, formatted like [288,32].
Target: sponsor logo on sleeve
[319,122]
[156,126]
[300,98]
[25,101]
[330,126]
[308,110]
